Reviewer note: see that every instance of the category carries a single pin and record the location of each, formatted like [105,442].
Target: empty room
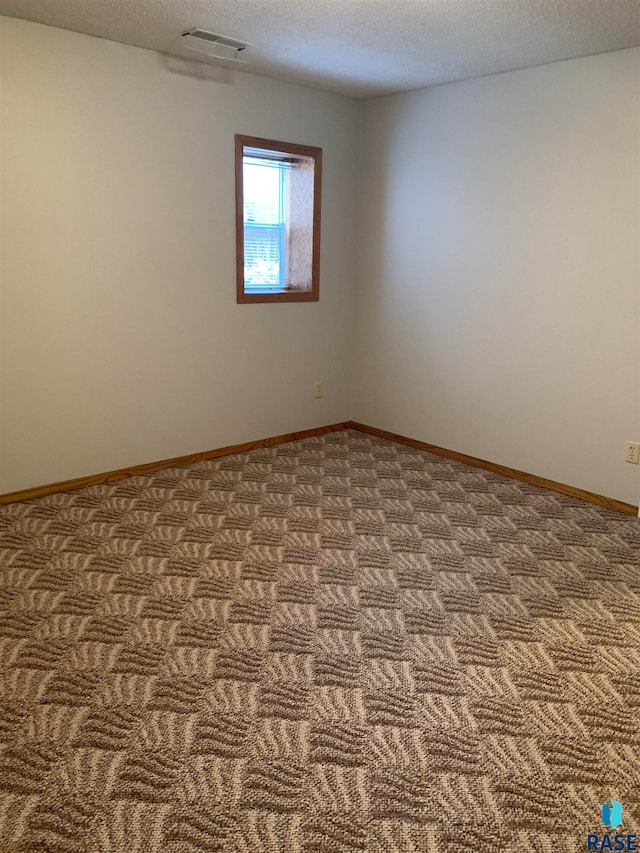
[319,426]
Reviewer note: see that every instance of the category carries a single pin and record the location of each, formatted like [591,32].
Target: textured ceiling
[361,47]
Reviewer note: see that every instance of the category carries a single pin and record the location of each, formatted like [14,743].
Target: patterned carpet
[340,644]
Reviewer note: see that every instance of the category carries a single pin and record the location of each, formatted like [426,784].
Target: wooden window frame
[312,294]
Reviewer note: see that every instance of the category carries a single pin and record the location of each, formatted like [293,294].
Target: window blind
[264,189]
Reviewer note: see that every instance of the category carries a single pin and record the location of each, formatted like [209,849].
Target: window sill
[278,296]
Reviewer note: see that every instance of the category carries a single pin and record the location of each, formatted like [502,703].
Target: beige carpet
[341,644]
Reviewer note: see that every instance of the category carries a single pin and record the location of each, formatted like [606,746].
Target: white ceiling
[361,47]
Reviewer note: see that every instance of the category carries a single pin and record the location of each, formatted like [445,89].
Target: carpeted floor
[340,644]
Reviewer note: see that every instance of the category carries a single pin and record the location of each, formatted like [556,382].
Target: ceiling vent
[214,45]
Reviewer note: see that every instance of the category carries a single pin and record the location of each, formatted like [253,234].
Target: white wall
[122,341]
[499,298]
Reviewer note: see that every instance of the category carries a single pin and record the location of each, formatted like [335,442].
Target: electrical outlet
[633,452]
[318,390]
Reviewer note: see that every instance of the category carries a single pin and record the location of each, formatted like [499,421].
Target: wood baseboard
[150,467]
[513,473]
[190,459]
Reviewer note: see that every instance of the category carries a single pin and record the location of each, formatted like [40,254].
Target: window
[277,220]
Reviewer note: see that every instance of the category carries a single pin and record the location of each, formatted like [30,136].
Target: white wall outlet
[318,390]
[633,452]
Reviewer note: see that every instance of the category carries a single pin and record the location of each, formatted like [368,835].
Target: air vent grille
[216,38]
